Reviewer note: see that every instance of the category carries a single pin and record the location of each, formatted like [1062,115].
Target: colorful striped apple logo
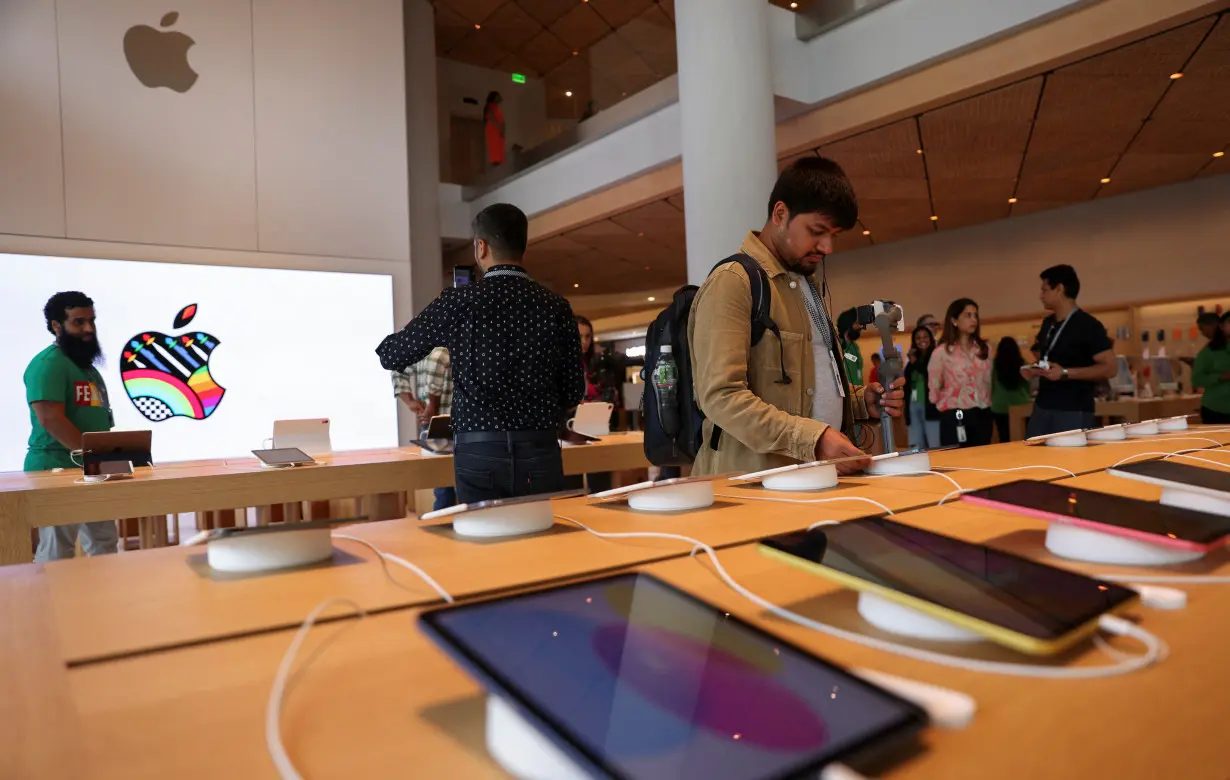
[168,376]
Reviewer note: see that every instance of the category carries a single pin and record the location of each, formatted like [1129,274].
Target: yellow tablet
[1014,601]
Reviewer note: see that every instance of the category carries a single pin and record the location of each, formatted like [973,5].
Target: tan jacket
[764,424]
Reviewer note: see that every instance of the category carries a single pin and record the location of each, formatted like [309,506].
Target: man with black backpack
[766,363]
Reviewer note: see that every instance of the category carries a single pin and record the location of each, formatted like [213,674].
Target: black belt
[509,437]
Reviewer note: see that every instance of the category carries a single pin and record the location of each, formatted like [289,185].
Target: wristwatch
[1064,374]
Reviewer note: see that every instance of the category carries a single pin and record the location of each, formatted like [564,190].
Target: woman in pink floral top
[959,378]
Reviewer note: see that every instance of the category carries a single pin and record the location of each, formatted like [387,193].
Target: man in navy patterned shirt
[516,359]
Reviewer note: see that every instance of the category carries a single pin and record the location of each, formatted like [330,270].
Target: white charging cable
[1155,648]
[273,708]
[873,502]
[385,557]
[1006,471]
[281,682]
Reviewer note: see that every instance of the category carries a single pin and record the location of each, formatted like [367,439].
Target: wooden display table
[114,605]
[381,701]
[31,500]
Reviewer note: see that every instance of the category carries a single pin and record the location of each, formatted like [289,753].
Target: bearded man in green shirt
[67,398]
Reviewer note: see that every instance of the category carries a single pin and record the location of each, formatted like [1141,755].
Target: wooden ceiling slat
[1116,112]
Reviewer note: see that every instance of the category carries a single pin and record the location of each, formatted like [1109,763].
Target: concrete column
[729,142]
[423,146]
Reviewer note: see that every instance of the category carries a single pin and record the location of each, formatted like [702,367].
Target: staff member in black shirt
[516,358]
[1077,353]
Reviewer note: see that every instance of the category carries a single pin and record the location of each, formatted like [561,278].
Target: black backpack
[671,327]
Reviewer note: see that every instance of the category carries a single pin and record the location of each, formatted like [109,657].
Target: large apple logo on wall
[168,376]
[160,59]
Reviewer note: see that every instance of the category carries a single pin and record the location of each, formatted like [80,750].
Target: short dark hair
[58,305]
[816,185]
[505,229]
[1065,275]
[1208,318]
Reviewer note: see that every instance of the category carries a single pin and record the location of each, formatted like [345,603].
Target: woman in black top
[921,415]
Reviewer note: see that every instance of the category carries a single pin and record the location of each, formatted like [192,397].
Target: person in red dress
[493,127]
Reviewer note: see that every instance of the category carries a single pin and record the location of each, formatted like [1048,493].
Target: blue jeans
[924,433]
[490,470]
[444,498]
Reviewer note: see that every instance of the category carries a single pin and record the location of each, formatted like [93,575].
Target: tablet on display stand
[1183,485]
[666,495]
[1095,527]
[1142,428]
[817,475]
[1173,424]
[1117,432]
[909,462]
[1075,438]
[503,516]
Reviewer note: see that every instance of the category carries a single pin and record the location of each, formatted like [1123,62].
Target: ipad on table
[1017,602]
[458,509]
[1168,526]
[631,677]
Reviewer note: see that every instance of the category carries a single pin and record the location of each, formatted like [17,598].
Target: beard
[83,352]
[796,266]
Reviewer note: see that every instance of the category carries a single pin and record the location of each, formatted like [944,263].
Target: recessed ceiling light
[576,285]
[934,218]
[640,235]
[568,93]
[1176,75]
[1219,154]
[866,232]
[575,52]
[652,299]
[794,5]
[1106,180]
[919,151]
[1012,200]
[478,27]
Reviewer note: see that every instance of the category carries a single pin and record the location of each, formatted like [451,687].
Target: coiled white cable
[873,502]
[1155,648]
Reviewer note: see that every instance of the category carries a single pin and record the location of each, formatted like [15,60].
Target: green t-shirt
[854,363]
[918,387]
[52,376]
[1002,397]
[1206,373]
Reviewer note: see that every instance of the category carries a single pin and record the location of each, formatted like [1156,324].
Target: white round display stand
[904,464]
[1109,433]
[1146,428]
[899,619]
[1083,544]
[1173,424]
[1200,502]
[256,552]
[522,750]
[514,520]
[673,498]
[810,478]
[1072,439]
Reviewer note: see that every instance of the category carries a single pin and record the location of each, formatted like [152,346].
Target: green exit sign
[518,78]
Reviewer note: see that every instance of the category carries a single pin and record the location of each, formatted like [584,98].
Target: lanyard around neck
[1055,336]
